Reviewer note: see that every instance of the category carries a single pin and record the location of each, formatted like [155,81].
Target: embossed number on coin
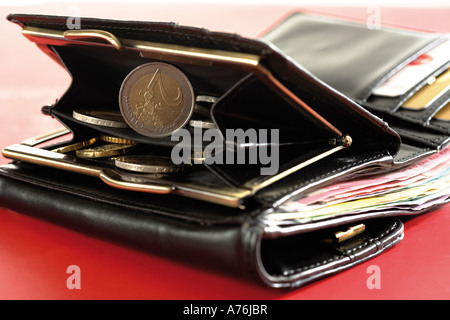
[156,99]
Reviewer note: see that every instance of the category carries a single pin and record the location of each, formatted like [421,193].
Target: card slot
[409,77]
[393,104]
[425,115]
[321,45]
[421,116]
[444,113]
[430,91]
[439,104]
[400,102]
[441,119]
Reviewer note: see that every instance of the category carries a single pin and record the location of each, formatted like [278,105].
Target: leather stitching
[205,34]
[348,252]
[320,177]
[435,142]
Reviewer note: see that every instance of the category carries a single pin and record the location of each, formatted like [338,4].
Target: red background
[35,254]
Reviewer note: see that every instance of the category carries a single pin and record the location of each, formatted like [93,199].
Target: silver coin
[204,124]
[147,164]
[156,99]
[103,118]
[204,98]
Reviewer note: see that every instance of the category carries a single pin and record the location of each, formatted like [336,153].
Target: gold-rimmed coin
[105,118]
[147,164]
[111,139]
[76,146]
[106,150]
[156,99]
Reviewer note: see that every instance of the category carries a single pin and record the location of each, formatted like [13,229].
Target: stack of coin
[111,139]
[114,146]
[202,112]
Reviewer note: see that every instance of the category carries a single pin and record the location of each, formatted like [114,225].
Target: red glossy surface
[34,254]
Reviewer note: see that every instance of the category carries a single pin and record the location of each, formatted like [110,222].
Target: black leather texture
[187,233]
[355,59]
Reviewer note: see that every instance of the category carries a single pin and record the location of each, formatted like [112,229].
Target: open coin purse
[286,228]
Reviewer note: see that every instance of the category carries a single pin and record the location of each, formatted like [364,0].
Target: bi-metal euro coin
[156,99]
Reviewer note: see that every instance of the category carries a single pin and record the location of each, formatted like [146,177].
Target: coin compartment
[253,104]
[97,75]
[245,101]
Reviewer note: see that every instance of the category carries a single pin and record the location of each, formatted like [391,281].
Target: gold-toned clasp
[341,236]
[231,197]
[83,34]
[352,231]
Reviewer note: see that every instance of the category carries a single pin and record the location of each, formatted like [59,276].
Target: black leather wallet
[222,214]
